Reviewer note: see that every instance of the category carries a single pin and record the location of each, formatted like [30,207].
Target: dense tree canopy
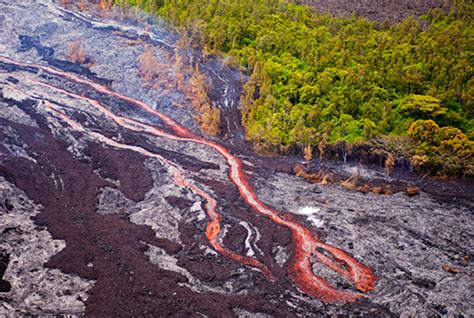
[316,78]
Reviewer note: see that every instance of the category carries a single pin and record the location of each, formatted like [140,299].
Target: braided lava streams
[213,228]
[306,243]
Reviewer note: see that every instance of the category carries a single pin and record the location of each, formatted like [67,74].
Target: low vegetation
[150,68]
[208,116]
[325,81]
[185,78]
[77,54]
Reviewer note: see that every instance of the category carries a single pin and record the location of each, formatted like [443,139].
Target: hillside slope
[378,10]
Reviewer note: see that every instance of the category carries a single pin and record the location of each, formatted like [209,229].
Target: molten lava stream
[306,242]
[213,228]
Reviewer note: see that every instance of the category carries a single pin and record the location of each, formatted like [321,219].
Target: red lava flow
[213,228]
[306,243]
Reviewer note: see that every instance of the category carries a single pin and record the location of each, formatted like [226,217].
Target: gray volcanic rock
[407,240]
[35,290]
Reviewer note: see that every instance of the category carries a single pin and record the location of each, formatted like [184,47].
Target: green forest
[406,89]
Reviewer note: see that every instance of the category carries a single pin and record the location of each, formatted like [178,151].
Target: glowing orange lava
[212,229]
[306,243]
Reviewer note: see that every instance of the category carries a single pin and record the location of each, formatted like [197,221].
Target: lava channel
[306,243]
